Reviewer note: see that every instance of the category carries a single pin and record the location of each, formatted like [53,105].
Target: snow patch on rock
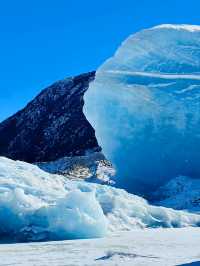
[179,193]
[92,167]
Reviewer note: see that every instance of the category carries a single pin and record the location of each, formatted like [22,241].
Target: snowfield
[141,247]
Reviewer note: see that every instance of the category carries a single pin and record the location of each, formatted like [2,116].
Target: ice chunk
[144,106]
[78,215]
[35,205]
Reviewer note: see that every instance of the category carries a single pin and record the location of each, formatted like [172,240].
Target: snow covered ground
[164,247]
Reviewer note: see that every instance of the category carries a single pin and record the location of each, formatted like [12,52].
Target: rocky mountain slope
[51,126]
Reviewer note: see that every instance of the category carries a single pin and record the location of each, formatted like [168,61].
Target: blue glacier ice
[145,107]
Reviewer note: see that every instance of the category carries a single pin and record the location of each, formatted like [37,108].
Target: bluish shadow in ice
[196,263]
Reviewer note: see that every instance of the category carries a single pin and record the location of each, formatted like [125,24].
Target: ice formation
[144,105]
[35,205]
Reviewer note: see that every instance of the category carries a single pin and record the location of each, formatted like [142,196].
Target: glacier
[145,109]
[37,206]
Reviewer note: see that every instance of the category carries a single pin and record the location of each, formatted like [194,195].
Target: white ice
[35,205]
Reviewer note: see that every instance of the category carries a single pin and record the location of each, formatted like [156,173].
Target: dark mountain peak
[52,125]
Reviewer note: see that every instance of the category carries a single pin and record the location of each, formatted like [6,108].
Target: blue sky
[42,41]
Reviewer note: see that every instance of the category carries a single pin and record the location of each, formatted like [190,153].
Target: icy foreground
[165,247]
[144,105]
[35,205]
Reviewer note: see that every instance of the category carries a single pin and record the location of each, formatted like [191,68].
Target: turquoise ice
[145,107]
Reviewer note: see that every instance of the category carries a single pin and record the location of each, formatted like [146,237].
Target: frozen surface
[35,205]
[165,247]
[144,105]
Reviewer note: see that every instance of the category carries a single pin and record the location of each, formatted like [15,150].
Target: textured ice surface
[180,193]
[35,205]
[145,107]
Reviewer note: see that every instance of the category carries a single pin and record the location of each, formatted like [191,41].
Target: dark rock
[51,126]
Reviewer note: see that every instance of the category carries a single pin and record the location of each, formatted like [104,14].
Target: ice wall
[144,105]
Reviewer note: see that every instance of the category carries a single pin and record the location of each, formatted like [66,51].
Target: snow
[179,27]
[144,106]
[165,247]
[91,167]
[35,205]
[180,193]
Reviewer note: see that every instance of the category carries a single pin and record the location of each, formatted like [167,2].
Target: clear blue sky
[42,41]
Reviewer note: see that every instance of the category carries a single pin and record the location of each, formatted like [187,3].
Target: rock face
[51,126]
